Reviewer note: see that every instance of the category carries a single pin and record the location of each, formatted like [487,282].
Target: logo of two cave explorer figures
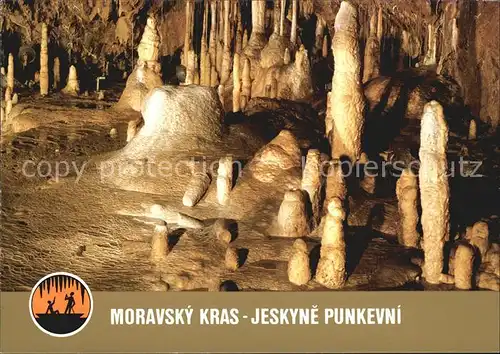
[61,304]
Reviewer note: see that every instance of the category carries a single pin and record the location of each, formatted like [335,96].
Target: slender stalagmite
[311,182]
[10,72]
[434,189]
[324,51]
[286,56]
[224,179]
[371,67]
[44,62]
[57,73]
[464,266]
[299,271]
[293,34]
[347,104]
[282,17]
[196,188]
[236,83]
[159,243]
[8,101]
[246,88]
[407,193]
[472,130]
[72,86]
[331,271]
[292,215]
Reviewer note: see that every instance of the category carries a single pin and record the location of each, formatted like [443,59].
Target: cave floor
[103,234]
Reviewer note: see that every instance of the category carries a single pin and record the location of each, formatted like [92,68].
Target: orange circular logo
[61,304]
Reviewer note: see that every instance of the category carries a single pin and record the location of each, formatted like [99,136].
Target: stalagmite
[292,215]
[286,57]
[380,25]
[335,184]
[132,128]
[196,74]
[236,83]
[347,99]
[331,271]
[57,73]
[159,243]
[196,188]
[371,67]
[274,88]
[407,193]
[44,62]
[15,99]
[311,182]
[8,102]
[224,179]
[293,34]
[149,46]
[232,259]
[10,72]
[319,35]
[299,272]
[324,50]
[244,42]
[222,230]
[73,86]
[472,130]
[246,88]
[464,263]
[434,189]
[2,70]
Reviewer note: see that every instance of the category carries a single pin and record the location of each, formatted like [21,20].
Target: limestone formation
[488,281]
[331,271]
[224,179]
[170,215]
[226,66]
[244,40]
[286,56]
[292,217]
[190,67]
[472,130]
[44,62]
[282,17]
[324,48]
[236,83]
[8,102]
[15,99]
[431,55]
[2,71]
[73,85]
[464,267]
[222,230]
[57,73]
[434,189]
[258,17]
[478,236]
[10,72]
[335,184]
[189,28]
[214,77]
[220,91]
[132,128]
[293,34]
[149,46]
[312,182]
[407,193]
[196,188]
[299,272]
[159,243]
[232,259]
[279,155]
[347,100]
[371,67]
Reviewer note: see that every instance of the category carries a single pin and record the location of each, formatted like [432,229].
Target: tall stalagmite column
[10,72]
[407,193]
[246,88]
[44,62]
[311,182]
[434,189]
[347,104]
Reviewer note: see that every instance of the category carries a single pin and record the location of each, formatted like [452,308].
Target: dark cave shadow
[228,285]
[357,241]
[174,237]
[242,256]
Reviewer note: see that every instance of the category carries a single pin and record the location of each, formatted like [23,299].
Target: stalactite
[293,34]
[44,62]
[236,83]
[430,56]
[282,17]
[258,17]
[434,189]
[380,26]
[319,35]
[245,39]
[226,66]
[246,88]
[196,76]
[324,50]
[214,77]
[190,67]
[371,67]
[213,31]
[286,56]
[227,26]
[189,26]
